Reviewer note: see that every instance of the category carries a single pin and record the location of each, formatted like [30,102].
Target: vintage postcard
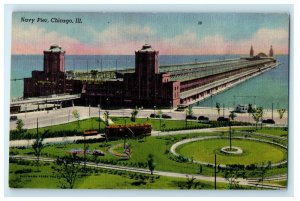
[122,100]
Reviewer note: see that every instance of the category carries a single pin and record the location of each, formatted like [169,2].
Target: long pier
[45,100]
[178,84]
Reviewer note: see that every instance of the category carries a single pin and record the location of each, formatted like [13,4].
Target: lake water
[263,90]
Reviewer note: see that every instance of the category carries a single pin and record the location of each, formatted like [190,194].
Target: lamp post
[46,106]
[272,112]
[229,135]
[25,110]
[69,116]
[160,117]
[99,117]
[154,111]
[215,171]
[186,118]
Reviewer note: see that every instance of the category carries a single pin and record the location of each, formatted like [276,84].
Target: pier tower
[251,51]
[52,80]
[54,60]
[146,67]
[271,53]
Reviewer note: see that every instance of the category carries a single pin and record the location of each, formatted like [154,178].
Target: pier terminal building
[52,80]
[148,84]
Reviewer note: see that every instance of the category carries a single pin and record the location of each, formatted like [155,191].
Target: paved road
[52,140]
[241,181]
[64,115]
[21,143]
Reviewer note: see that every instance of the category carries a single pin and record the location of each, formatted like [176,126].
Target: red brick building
[52,80]
[149,84]
[145,87]
[168,86]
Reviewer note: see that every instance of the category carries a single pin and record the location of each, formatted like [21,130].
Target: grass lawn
[86,124]
[157,123]
[158,146]
[253,152]
[72,128]
[28,176]
[279,182]
[93,123]
[280,132]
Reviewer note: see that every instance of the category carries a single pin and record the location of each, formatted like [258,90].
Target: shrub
[23,171]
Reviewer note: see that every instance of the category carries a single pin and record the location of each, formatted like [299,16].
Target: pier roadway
[46,99]
[64,115]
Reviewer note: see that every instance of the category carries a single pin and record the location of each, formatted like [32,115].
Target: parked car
[191,117]
[203,119]
[166,116]
[268,121]
[13,118]
[154,115]
[98,153]
[223,119]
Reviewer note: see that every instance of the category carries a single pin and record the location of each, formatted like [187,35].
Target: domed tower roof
[261,54]
[147,48]
[55,48]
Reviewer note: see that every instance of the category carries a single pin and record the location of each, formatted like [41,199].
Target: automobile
[152,115]
[223,119]
[98,153]
[191,117]
[13,118]
[203,119]
[268,121]
[181,108]
[166,116]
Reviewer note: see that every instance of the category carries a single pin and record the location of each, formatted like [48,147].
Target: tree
[190,182]
[76,116]
[94,74]
[281,112]
[150,162]
[257,115]
[250,109]
[232,173]
[134,114]
[106,117]
[190,110]
[200,169]
[218,108]
[261,111]
[67,169]
[159,113]
[38,146]
[20,125]
[263,170]
[232,115]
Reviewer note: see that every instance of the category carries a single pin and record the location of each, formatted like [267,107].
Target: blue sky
[170,33]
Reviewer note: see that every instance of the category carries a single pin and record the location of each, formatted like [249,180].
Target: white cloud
[118,39]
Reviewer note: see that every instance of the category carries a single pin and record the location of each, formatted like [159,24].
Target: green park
[179,154]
